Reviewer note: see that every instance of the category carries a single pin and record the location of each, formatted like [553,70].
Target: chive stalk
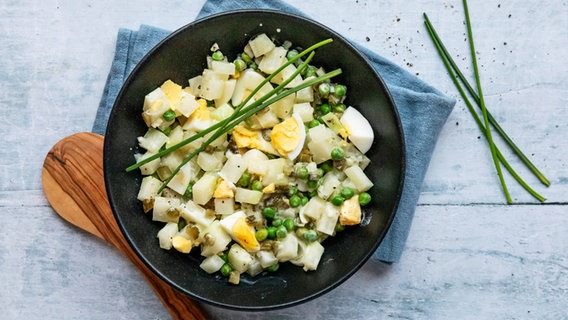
[489,136]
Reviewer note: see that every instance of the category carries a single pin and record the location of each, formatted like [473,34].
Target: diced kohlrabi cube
[273,60]
[153,140]
[239,258]
[204,188]
[243,195]
[233,168]
[358,178]
[287,248]
[304,110]
[261,44]
[166,234]
[328,219]
[149,188]
[166,209]
[192,212]
[212,264]
[221,239]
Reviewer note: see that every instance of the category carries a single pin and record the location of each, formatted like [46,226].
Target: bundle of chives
[457,76]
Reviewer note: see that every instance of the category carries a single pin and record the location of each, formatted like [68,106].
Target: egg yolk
[223,190]
[201,113]
[245,138]
[285,136]
[244,234]
[172,91]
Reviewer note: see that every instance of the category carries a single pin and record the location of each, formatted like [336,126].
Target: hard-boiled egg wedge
[359,130]
[238,228]
[288,136]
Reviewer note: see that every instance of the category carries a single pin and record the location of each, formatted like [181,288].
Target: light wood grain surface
[468,256]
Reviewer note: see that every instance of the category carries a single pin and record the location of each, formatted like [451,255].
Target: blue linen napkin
[423,109]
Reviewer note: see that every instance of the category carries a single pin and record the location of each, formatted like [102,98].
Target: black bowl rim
[399,126]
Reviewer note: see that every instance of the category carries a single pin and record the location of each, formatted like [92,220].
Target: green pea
[226,269]
[257,185]
[273,268]
[313,193]
[269,212]
[326,166]
[240,64]
[302,172]
[305,201]
[338,200]
[169,115]
[337,154]
[310,235]
[244,180]
[339,227]
[217,55]
[311,71]
[271,232]
[289,224]
[246,58]
[300,232]
[324,89]
[277,222]
[292,190]
[364,198]
[292,54]
[253,65]
[295,201]
[261,234]
[340,107]
[281,232]
[225,256]
[339,90]
[324,108]
[347,192]
[313,123]
[312,184]
[188,191]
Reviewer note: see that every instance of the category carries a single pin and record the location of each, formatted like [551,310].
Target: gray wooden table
[469,255]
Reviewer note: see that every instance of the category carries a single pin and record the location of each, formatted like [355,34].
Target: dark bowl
[181,56]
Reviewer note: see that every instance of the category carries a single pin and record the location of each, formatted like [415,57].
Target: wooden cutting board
[73,183]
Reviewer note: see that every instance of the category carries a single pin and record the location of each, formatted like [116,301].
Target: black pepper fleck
[368,39]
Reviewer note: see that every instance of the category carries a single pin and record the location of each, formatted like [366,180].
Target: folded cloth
[423,110]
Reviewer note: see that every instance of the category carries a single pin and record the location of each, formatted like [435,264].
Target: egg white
[360,132]
[302,132]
